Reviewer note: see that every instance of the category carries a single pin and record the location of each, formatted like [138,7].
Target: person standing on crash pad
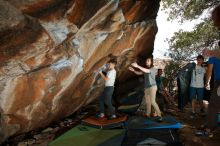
[150,85]
[106,96]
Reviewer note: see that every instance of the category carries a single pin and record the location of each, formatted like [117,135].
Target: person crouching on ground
[197,85]
[150,85]
[106,96]
[161,89]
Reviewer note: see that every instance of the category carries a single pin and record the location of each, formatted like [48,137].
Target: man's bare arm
[145,70]
[136,72]
[208,74]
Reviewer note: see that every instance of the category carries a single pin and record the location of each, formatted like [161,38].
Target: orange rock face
[51,51]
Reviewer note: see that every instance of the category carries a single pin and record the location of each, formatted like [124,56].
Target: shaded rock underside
[51,52]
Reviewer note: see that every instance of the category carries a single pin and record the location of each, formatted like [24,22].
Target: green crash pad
[85,136]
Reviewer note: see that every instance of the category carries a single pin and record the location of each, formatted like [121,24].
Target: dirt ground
[187,133]
[190,126]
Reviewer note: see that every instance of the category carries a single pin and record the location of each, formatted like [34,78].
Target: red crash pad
[105,123]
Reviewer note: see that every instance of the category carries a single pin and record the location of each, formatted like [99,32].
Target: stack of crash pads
[141,123]
[151,137]
[139,131]
[147,131]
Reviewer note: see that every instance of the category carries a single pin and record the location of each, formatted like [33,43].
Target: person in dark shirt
[161,89]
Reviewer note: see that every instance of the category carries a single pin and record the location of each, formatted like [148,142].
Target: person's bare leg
[165,96]
[202,106]
[193,106]
[169,97]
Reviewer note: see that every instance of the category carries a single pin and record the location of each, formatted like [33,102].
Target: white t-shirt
[111,74]
[198,74]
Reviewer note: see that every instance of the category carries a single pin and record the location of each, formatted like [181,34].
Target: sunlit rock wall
[51,51]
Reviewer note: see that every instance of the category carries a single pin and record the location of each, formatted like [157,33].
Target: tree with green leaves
[187,9]
[185,45]
[170,72]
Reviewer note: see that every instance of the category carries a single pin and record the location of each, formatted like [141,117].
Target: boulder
[51,52]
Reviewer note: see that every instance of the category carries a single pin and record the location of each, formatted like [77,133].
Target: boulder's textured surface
[51,51]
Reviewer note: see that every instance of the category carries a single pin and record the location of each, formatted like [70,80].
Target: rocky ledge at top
[51,51]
